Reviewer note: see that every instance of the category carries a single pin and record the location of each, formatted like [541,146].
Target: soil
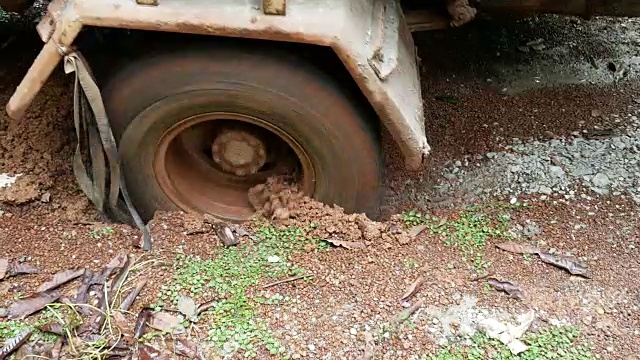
[46,221]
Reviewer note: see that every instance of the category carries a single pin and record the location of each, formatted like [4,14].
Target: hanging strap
[94,132]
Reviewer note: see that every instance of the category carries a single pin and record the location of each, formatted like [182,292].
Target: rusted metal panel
[359,31]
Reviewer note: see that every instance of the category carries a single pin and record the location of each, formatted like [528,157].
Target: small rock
[545,190]
[600,310]
[600,180]
[531,229]
[353,331]
[46,197]
[311,347]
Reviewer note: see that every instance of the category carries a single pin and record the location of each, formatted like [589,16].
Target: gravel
[572,167]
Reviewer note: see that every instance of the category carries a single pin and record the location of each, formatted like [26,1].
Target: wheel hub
[239,152]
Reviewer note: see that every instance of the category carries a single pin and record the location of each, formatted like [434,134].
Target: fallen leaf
[141,322]
[122,274]
[54,353]
[52,327]
[513,290]
[416,230]
[187,348]
[8,269]
[27,306]
[131,297]
[166,323]
[240,231]
[413,288]
[226,235]
[60,278]
[564,263]
[187,306]
[351,245]
[146,352]
[125,328]
[83,290]
[14,343]
[206,306]
[116,263]
[22,269]
[403,315]
[518,248]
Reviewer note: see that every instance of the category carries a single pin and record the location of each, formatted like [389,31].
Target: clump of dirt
[279,200]
[275,199]
[24,190]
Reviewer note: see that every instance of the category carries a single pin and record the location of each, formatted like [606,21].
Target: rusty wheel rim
[207,163]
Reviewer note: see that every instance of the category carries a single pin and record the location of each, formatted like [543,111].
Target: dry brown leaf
[413,288]
[27,306]
[54,353]
[513,290]
[565,263]
[240,231]
[166,323]
[518,248]
[351,245]
[133,294]
[403,315]
[206,306]
[60,278]
[116,284]
[8,269]
[52,327]
[226,235]
[187,348]
[22,269]
[141,322]
[83,289]
[416,230]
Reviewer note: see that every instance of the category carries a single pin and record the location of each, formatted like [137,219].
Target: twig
[287,280]
[196,231]
[130,298]
[406,313]
[484,276]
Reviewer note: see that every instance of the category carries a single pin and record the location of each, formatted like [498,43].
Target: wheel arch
[370,38]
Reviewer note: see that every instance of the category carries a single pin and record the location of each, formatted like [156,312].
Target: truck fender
[370,37]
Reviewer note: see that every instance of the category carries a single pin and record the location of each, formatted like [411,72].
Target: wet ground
[488,88]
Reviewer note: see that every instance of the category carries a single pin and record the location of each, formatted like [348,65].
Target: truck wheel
[196,130]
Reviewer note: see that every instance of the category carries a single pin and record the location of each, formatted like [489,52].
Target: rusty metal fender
[371,38]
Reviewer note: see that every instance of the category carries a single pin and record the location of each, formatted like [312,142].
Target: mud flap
[97,149]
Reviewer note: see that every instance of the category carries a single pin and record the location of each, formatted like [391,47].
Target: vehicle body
[371,38]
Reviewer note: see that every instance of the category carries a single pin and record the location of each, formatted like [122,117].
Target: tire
[147,98]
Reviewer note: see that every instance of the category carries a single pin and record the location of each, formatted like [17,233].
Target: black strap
[92,127]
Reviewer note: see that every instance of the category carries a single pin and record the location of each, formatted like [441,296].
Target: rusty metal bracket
[274,7]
